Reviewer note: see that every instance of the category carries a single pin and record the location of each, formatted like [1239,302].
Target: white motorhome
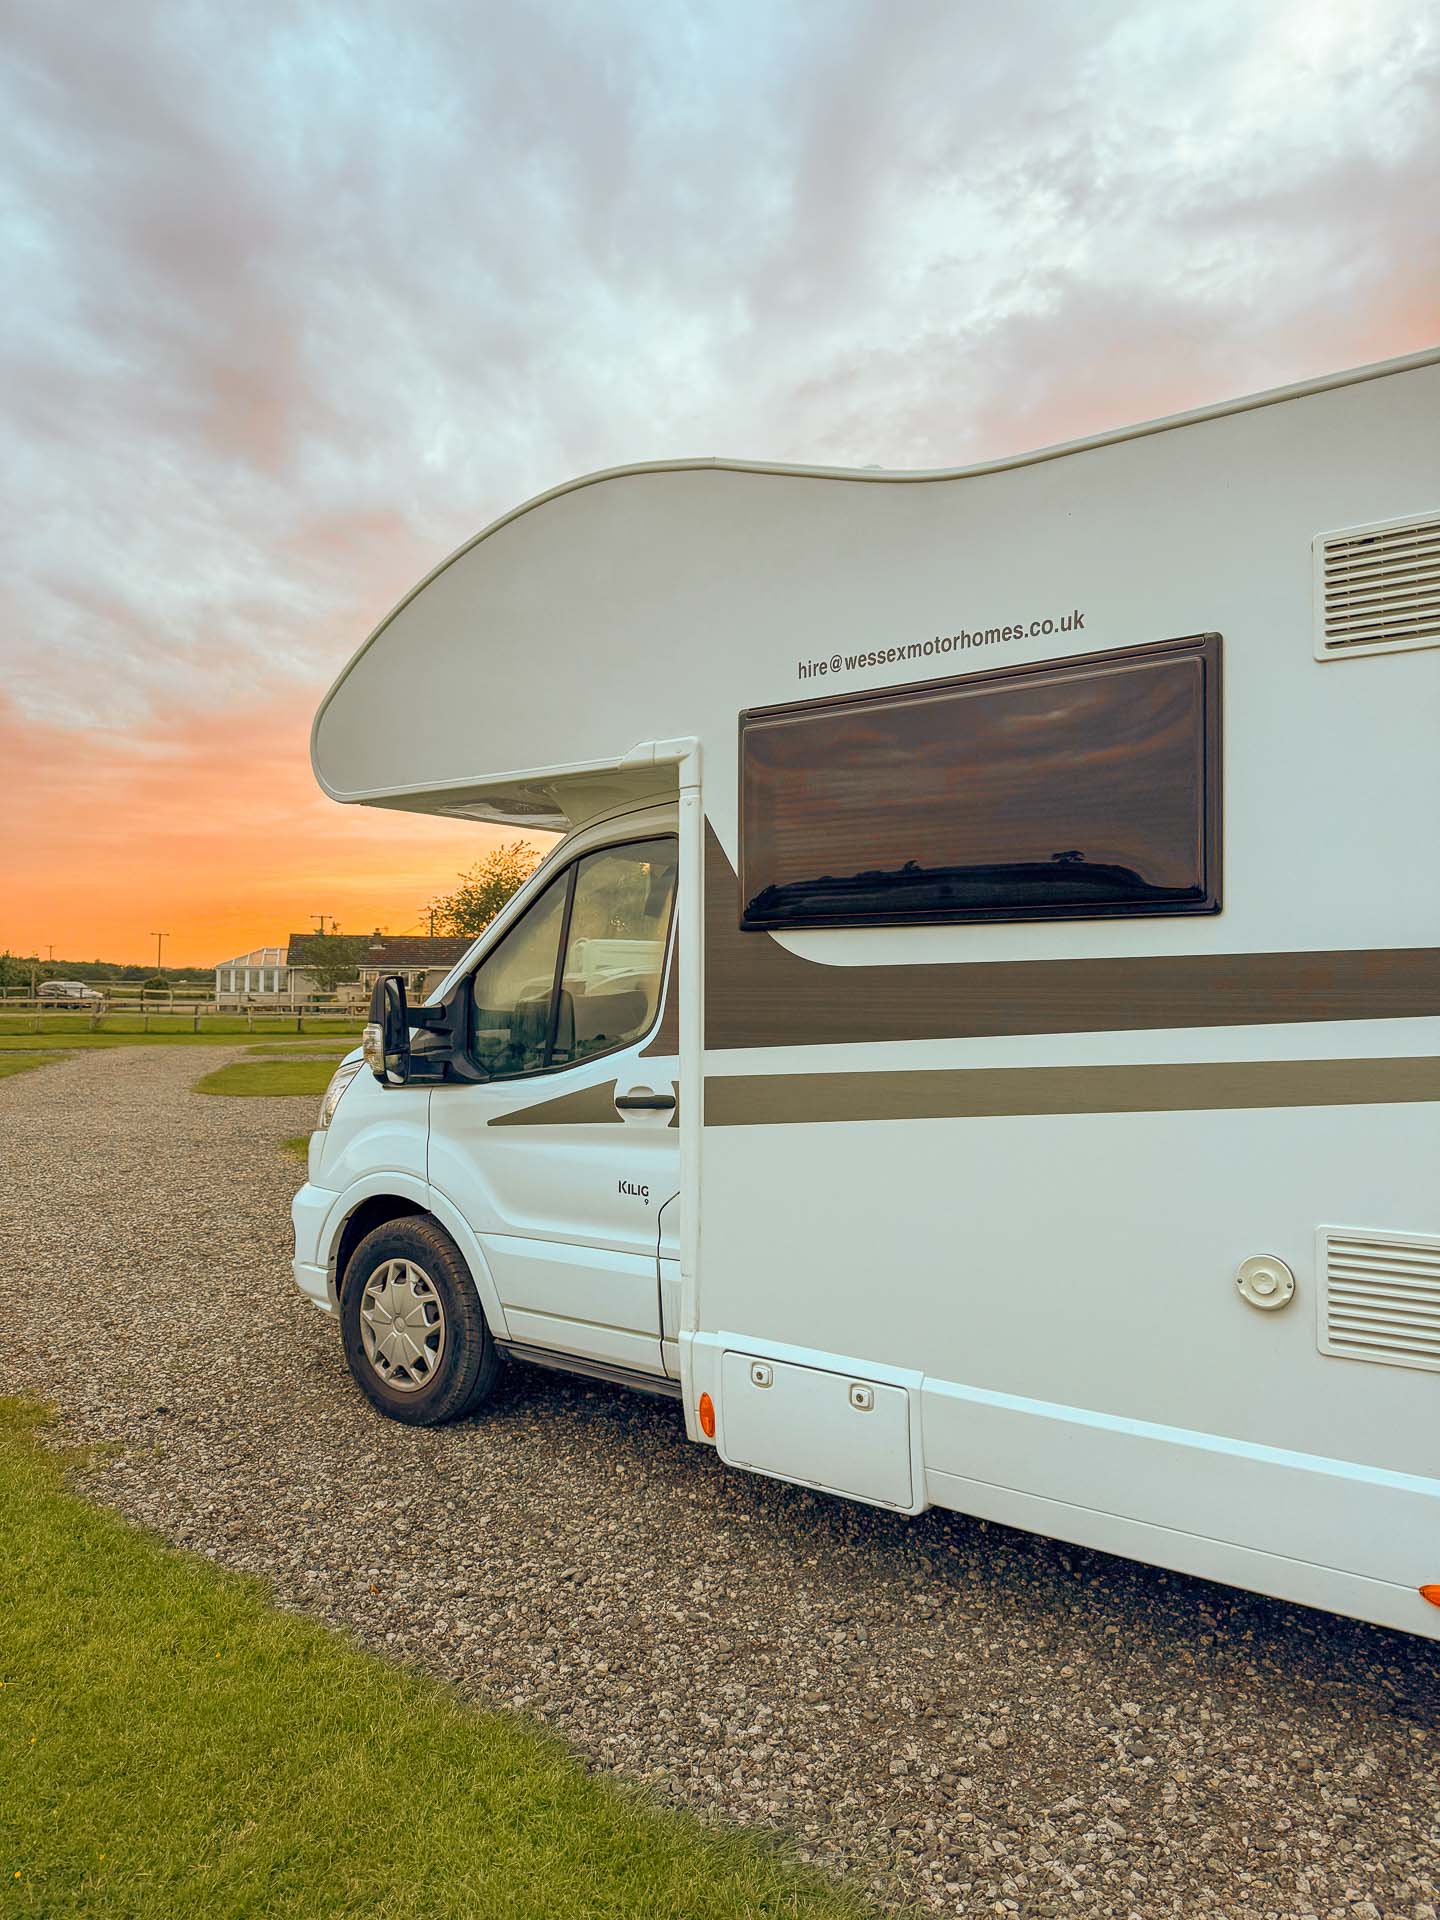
[977,1042]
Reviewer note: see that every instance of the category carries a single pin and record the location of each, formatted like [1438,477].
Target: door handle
[646,1102]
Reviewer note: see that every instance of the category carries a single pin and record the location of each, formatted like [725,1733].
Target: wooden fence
[172,1013]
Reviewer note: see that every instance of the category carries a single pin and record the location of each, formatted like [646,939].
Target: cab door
[563,1159]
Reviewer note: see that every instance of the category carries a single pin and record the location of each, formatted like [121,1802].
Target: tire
[416,1342]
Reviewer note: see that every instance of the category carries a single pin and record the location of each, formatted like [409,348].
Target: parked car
[72,993]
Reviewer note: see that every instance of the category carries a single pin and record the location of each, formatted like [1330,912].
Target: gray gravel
[948,1712]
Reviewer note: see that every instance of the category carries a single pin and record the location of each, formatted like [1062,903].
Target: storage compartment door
[836,1431]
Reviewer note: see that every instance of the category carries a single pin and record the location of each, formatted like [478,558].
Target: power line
[418,927]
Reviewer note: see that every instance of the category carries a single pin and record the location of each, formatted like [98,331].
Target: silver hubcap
[402,1324]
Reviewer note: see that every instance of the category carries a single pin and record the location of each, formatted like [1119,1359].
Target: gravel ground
[950,1713]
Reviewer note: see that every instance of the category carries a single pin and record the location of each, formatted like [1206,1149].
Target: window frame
[565,876]
[1205,647]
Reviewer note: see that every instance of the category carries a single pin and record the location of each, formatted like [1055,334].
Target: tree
[482,891]
[331,958]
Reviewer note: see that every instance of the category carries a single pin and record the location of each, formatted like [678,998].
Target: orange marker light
[1432,1594]
[706,1411]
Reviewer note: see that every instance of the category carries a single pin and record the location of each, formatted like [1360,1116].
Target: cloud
[297,299]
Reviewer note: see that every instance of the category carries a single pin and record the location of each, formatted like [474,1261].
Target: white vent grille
[1377,589]
[1380,1297]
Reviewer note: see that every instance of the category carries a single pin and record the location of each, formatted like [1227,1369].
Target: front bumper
[309,1210]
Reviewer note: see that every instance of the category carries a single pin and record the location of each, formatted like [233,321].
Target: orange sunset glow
[273,344]
[215,829]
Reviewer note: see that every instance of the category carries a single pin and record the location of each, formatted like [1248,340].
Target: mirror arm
[447,1057]
[449,1022]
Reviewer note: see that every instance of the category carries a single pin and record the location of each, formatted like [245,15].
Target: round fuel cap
[1266,1282]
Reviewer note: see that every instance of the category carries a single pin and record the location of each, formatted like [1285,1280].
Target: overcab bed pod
[1058,1042]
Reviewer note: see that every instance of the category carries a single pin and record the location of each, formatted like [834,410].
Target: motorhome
[976,1041]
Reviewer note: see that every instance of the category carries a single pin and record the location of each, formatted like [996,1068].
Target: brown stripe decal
[768,1100]
[757,994]
[587,1106]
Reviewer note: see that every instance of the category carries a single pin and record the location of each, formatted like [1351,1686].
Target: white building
[264,971]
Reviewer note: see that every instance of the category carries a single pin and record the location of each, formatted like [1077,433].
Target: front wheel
[416,1342]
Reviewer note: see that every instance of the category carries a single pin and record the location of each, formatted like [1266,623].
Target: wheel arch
[379,1200]
[376,1211]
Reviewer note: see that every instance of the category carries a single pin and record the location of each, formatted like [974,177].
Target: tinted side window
[615,950]
[513,988]
[611,912]
[1071,789]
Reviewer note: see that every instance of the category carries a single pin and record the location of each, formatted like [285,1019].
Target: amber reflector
[1432,1594]
[707,1427]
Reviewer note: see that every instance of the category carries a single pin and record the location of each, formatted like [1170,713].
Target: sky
[298,297]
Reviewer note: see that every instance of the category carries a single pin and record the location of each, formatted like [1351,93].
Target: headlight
[339,1081]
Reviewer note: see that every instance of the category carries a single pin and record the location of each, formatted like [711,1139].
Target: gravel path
[950,1712]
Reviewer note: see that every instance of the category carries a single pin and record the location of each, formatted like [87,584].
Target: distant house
[272,974]
[423,960]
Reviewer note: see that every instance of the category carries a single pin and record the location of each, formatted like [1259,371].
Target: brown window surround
[1084,788]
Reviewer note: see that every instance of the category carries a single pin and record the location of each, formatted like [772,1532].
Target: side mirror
[387,1037]
[441,1053]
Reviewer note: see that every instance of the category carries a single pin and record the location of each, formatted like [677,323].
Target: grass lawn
[158,1026]
[23,1062]
[267,1079]
[171,1744]
[316,1048]
[297,1147]
[78,1038]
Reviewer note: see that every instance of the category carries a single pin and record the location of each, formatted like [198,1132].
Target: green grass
[267,1079]
[23,1062]
[123,1027]
[83,1039]
[171,1744]
[304,1046]
[298,1147]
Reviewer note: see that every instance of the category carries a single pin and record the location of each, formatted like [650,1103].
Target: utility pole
[50,951]
[322,918]
[431,911]
[158,938]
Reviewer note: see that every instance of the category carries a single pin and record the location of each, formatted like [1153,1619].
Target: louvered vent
[1377,589]
[1380,1297]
